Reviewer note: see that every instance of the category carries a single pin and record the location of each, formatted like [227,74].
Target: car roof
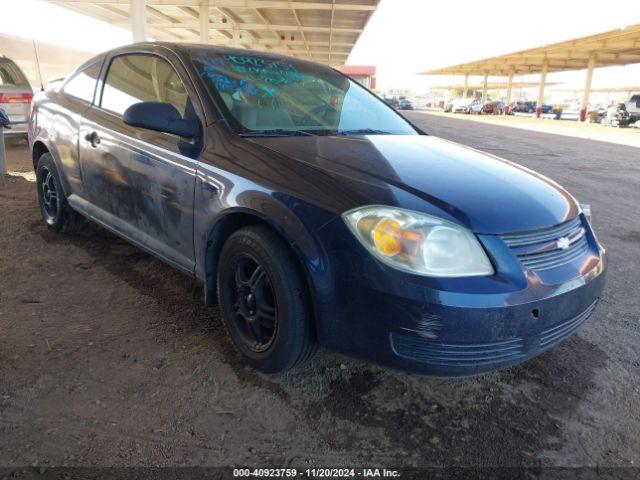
[189,48]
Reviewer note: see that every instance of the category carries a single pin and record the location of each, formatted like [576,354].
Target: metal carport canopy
[490,85]
[613,48]
[616,47]
[324,31]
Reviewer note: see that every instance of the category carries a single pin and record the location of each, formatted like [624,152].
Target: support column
[543,80]
[139,20]
[587,89]
[204,21]
[466,86]
[509,93]
[484,89]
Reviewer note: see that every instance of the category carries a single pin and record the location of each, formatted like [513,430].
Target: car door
[141,182]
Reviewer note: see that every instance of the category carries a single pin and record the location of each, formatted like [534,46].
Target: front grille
[456,354]
[559,332]
[540,249]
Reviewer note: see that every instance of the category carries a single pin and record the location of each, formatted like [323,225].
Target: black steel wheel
[263,299]
[56,211]
[254,308]
[49,194]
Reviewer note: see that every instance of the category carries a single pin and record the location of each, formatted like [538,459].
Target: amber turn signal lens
[387,237]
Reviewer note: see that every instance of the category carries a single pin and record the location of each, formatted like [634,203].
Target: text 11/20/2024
[315,473]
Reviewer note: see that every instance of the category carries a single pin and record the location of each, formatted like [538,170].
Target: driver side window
[136,78]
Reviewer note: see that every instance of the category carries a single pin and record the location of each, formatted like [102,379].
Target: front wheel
[55,210]
[264,300]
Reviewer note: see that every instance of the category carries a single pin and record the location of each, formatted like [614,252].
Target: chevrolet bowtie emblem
[563,243]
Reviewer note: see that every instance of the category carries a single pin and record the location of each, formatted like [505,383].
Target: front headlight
[418,243]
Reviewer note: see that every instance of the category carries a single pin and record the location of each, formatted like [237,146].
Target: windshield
[11,75]
[269,96]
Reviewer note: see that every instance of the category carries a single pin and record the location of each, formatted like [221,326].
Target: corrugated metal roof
[616,47]
[324,31]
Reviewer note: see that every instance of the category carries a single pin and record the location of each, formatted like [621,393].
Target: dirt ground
[108,357]
[571,128]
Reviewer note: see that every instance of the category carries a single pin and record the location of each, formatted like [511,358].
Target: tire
[55,210]
[257,272]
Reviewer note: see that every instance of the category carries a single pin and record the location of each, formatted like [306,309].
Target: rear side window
[11,75]
[83,84]
[142,78]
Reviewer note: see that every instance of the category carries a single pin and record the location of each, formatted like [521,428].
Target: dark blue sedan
[313,213]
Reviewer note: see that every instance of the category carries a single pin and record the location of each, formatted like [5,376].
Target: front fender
[225,202]
[56,127]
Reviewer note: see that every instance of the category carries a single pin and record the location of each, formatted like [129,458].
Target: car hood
[482,192]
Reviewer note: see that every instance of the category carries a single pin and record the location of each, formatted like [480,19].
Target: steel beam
[138,20]
[587,90]
[543,79]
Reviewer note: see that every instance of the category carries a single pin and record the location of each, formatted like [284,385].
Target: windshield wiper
[277,132]
[363,131]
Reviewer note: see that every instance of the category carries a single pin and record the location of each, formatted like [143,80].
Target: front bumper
[503,336]
[450,327]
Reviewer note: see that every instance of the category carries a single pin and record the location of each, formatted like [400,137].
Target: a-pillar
[139,20]
[587,89]
[543,80]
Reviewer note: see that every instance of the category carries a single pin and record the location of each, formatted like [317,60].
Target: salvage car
[405,104]
[493,107]
[313,213]
[461,105]
[476,106]
[633,107]
[15,96]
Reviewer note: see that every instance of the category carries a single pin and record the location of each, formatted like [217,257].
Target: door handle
[93,139]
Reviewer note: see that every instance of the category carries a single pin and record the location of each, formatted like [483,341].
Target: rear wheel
[55,209]
[264,301]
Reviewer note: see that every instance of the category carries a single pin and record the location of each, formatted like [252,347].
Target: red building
[365,75]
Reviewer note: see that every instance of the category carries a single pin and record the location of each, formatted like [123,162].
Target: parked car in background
[461,105]
[617,116]
[596,113]
[312,212]
[15,96]
[493,107]
[392,102]
[546,108]
[405,104]
[529,107]
[476,106]
[513,106]
[633,108]
[520,106]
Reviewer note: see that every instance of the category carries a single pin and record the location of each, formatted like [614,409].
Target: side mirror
[161,117]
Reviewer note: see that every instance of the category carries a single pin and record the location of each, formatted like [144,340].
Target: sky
[40,20]
[404,37]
